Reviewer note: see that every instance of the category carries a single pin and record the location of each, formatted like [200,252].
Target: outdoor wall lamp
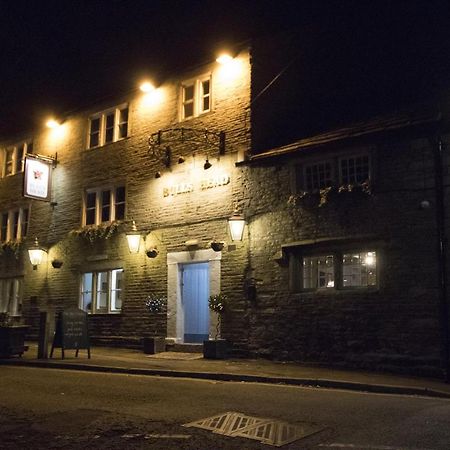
[236,223]
[134,239]
[224,58]
[52,123]
[146,87]
[36,254]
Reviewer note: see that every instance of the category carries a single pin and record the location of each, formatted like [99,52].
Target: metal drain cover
[267,431]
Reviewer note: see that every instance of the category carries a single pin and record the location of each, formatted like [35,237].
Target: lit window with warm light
[14,157]
[359,269]
[108,126]
[195,97]
[334,270]
[101,292]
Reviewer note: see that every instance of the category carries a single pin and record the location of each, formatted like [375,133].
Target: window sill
[115,313]
[196,117]
[109,144]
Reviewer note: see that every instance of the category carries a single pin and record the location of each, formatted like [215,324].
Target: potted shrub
[152,343]
[12,337]
[216,348]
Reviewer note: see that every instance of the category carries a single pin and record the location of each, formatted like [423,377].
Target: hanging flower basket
[12,248]
[93,233]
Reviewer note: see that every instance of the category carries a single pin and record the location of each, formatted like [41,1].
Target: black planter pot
[216,349]
[152,345]
[12,340]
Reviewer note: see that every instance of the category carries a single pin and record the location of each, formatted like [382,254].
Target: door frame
[175,315]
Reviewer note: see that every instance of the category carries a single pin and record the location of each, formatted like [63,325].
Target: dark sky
[59,56]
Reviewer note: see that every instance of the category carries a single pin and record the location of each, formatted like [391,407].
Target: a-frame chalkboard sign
[71,332]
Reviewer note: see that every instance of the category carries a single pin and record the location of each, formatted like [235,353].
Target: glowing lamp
[236,223]
[147,87]
[52,124]
[134,239]
[36,254]
[224,58]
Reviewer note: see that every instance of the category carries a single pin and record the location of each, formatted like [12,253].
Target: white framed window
[101,291]
[318,176]
[14,224]
[352,169]
[103,205]
[108,126]
[318,272]
[14,158]
[11,296]
[359,269]
[195,97]
[337,270]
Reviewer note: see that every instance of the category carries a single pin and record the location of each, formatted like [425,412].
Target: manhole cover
[267,431]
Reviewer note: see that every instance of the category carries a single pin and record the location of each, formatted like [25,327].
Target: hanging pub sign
[37,178]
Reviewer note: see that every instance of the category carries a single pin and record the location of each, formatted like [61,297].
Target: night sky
[60,56]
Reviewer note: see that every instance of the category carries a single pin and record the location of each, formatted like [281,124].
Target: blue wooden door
[195,294]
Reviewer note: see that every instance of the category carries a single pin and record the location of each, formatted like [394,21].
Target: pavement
[193,365]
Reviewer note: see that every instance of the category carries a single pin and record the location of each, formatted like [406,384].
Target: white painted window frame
[297,269]
[27,146]
[98,203]
[19,235]
[94,290]
[102,127]
[199,95]
[11,304]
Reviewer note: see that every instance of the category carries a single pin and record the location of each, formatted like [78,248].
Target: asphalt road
[49,408]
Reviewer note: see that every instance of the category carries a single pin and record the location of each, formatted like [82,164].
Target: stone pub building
[343,256]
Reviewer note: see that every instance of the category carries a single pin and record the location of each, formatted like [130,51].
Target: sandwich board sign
[71,332]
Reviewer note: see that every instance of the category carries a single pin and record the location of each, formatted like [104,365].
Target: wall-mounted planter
[57,264]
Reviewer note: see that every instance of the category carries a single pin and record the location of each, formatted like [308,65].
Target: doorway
[195,294]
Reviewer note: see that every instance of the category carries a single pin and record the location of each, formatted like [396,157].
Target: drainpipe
[442,253]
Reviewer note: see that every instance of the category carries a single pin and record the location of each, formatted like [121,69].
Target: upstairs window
[14,225]
[108,126]
[101,292]
[195,97]
[103,205]
[354,170]
[14,157]
[318,176]
[338,171]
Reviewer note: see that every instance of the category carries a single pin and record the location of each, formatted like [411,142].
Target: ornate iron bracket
[162,142]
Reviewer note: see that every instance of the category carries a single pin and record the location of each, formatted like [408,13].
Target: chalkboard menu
[71,332]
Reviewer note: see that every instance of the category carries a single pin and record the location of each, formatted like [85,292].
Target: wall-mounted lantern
[36,254]
[134,239]
[236,223]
